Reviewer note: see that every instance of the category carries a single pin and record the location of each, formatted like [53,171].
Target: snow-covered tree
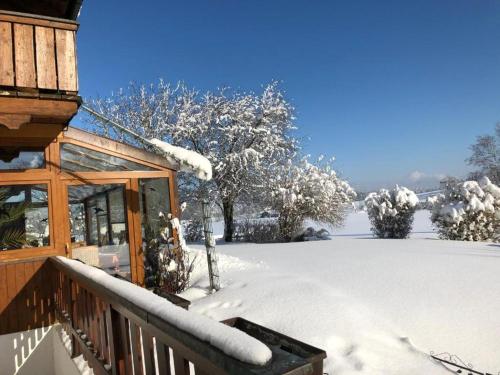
[468,211]
[242,134]
[303,190]
[391,212]
[486,157]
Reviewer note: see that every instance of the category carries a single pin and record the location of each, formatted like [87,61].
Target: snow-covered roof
[231,341]
[188,160]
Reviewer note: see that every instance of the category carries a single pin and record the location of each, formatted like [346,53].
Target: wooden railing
[26,297]
[117,336]
[37,53]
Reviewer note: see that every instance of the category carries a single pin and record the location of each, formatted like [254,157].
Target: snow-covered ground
[376,306]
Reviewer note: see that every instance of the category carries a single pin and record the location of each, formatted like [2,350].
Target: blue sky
[389,88]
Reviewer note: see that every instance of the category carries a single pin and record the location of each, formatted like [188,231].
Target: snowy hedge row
[391,212]
[468,211]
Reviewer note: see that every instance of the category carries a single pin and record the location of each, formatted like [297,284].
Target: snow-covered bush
[264,230]
[468,211]
[303,190]
[391,212]
[167,265]
[192,229]
[311,234]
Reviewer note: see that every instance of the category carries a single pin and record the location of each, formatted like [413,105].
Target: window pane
[99,229]
[14,158]
[154,201]
[24,217]
[80,159]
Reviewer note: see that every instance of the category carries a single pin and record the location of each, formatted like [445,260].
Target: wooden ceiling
[67,9]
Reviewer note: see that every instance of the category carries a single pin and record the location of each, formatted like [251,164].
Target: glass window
[154,202]
[15,158]
[99,229]
[80,159]
[24,217]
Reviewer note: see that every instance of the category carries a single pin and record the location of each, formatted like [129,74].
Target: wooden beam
[14,122]
[31,19]
[40,110]
[122,150]
[34,134]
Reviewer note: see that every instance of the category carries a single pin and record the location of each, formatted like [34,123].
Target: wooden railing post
[116,353]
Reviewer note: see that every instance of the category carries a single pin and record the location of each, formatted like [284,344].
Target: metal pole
[213,269]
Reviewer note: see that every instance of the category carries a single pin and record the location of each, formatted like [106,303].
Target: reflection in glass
[154,202]
[99,229]
[80,159]
[15,158]
[24,216]
[154,199]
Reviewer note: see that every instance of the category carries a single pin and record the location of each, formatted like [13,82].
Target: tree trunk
[228,207]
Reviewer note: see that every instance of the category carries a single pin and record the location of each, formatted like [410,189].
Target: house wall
[38,351]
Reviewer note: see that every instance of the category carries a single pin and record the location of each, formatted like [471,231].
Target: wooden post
[213,269]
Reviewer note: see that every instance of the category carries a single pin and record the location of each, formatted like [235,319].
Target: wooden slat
[3,298]
[29,273]
[135,343]
[24,56]
[125,342]
[103,342]
[11,294]
[66,60]
[6,57]
[148,349]
[181,365]
[163,355]
[113,340]
[45,58]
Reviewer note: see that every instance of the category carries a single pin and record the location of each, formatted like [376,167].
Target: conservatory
[77,194]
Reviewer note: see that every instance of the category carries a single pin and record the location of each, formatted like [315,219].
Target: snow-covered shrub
[303,190]
[264,230]
[391,212]
[192,229]
[167,265]
[311,234]
[468,211]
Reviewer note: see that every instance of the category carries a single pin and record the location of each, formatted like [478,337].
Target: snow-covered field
[376,306]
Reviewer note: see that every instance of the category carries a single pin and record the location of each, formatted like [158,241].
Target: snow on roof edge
[190,161]
[231,341]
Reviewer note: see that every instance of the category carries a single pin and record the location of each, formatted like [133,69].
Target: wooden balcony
[37,64]
[117,336]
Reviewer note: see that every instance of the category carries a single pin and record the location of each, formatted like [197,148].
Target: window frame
[28,143]
[31,252]
[129,215]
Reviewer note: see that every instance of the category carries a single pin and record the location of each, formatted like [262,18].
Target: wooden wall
[37,53]
[26,295]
